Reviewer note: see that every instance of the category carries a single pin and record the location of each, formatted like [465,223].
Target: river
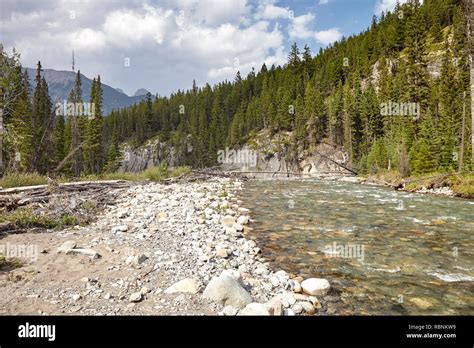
[385,252]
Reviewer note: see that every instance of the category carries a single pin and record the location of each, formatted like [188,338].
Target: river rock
[254,309]
[297,308]
[274,306]
[228,220]
[186,285]
[229,311]
[136,297]
[307,307]
[122,214]
[243,210]
[67,246]
[243,220]
[234,274]
[87,252]
[315,286]
[227,291]
[120,228]
[293,285]
[162,216]
[221,252]
[314,301]
[136,259]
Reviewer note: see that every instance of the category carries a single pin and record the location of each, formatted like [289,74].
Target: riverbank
[155,250]
[448,184]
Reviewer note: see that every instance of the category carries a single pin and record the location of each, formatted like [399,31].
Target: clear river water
[384,252]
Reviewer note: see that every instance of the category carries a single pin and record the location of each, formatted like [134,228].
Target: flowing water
[383,251]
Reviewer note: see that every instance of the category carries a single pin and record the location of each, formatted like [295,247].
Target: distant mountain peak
[60,84]
[140,91]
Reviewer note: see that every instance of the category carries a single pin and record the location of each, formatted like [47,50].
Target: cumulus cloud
[299,29]
[269,10]
[168,43]
[387,5]
[328,36]
[323,2]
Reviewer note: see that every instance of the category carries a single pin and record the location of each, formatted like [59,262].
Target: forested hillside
[334,97]
[395,96]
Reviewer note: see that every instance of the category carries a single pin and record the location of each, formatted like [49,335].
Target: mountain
[140,92]
[60,84]
[120,90]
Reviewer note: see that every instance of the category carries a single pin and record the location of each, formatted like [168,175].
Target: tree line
[39,136]
[334,98]
[394,97]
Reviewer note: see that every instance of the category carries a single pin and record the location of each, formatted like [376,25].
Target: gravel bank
[160,250]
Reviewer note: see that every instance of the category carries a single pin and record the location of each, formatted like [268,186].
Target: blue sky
[162,45]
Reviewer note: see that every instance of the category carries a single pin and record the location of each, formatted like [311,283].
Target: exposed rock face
[151,154]
[263,154]
[273,156]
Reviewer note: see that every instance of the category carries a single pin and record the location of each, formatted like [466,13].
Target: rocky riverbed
[177,249]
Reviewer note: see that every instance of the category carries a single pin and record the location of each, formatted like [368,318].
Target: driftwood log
[12,198]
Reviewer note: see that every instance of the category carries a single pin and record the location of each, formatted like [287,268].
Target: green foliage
[22,179]
[24,218]
[377,159]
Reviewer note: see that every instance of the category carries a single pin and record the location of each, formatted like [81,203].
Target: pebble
[136,297]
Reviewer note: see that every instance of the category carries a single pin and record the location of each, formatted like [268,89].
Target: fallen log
[72,186]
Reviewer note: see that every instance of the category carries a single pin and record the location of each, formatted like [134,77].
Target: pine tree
[93,149]
[76,129]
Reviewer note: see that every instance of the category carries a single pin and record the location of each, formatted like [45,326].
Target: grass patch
[22,179]
[179,171]
[9,264]
[157,173]
[462,185]
[24,218]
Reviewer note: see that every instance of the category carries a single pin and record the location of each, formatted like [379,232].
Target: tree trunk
[461,156]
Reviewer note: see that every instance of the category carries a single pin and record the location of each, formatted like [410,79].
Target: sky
[162,45]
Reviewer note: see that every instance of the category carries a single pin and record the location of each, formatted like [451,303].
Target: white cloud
[228,47]
[212,12]
[169,44]
[387,5]
[299,29]
[328,36]
[124,27]
[87,39]
[323,2]
[268,10]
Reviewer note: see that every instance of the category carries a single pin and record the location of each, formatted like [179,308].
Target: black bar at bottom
[135,331]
